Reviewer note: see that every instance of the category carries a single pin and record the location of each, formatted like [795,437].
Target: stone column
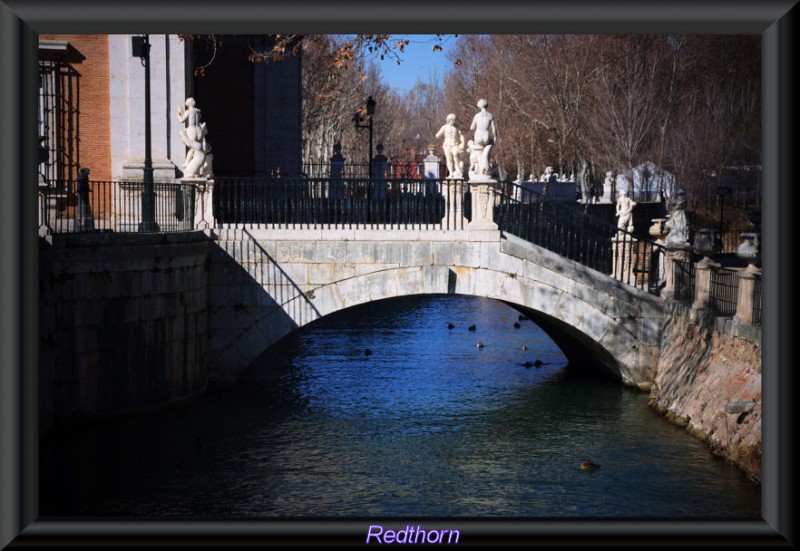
[482,206]
[702,283]
[747,294]
[453,192]
[431,172]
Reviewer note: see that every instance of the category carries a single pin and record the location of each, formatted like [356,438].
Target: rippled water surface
[427,424]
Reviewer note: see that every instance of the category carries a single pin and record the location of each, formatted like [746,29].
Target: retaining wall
[122,322]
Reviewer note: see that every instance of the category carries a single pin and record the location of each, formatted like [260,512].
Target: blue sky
[418,62]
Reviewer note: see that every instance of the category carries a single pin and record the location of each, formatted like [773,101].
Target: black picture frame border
[22,20]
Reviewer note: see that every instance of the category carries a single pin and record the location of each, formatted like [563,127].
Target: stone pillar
[702,283]
[747,294]
[337,168]
[379,164]
[453,206]
[749,250]
[431,166]
[203,206]
[676,252]
[622,248]
[482,206]
[431,173]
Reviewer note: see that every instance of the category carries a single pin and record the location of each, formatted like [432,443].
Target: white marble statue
[549,175]
[474,156]
[484,138]
[678,224]
[453,147]
[625,212]
[193,135]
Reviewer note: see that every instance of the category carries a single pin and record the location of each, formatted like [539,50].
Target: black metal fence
[569,231]
[724,291]
[397,169]
[350,202]
[757,303]
[81,206]
[683,277]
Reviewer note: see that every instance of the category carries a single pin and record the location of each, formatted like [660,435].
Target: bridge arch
[587,314]
[580,330]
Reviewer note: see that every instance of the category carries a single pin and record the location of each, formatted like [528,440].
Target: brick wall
[94,131]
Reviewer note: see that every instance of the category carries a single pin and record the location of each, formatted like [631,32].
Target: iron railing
[683,276]
[757,303]
[81,206]
[350,202]
[398,169]
[572,233]
[724,291]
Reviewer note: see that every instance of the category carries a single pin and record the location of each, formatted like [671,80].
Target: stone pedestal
[164,171]
[747,294]
[203,206]
[482,204]
[608,193]
[432,167]
[453,206]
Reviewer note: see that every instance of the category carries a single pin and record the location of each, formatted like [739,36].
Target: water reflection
[427,425]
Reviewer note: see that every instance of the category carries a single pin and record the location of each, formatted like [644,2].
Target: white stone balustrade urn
[749,249]
[704,242]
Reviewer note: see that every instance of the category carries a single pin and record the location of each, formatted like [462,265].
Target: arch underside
[579,329]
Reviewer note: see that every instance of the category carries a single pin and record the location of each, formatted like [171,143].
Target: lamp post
[140,46]
[357,122]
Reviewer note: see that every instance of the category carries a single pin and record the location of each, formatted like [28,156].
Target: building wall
[127,118]
[92,96]
[253,110]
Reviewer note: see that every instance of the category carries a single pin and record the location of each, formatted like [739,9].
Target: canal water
[382,410]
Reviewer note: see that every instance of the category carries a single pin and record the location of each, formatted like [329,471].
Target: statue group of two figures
[480,146]
[198,157]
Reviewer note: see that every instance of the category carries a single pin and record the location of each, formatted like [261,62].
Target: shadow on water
[427,424]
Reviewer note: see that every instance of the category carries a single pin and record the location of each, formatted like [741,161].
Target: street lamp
[140,46]
[357,122]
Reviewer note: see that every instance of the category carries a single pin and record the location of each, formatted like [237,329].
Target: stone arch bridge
[265,283]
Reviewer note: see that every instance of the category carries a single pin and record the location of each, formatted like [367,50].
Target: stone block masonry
[709,381]
[123,322]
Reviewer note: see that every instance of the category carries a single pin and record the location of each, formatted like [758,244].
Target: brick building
[91,107]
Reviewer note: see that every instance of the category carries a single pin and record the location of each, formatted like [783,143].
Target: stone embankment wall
[122,322]
[709,381]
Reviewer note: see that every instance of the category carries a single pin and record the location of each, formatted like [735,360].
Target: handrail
[576,235]
[84,206]
[326,202]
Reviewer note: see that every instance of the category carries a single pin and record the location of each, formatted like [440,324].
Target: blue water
[428,424]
